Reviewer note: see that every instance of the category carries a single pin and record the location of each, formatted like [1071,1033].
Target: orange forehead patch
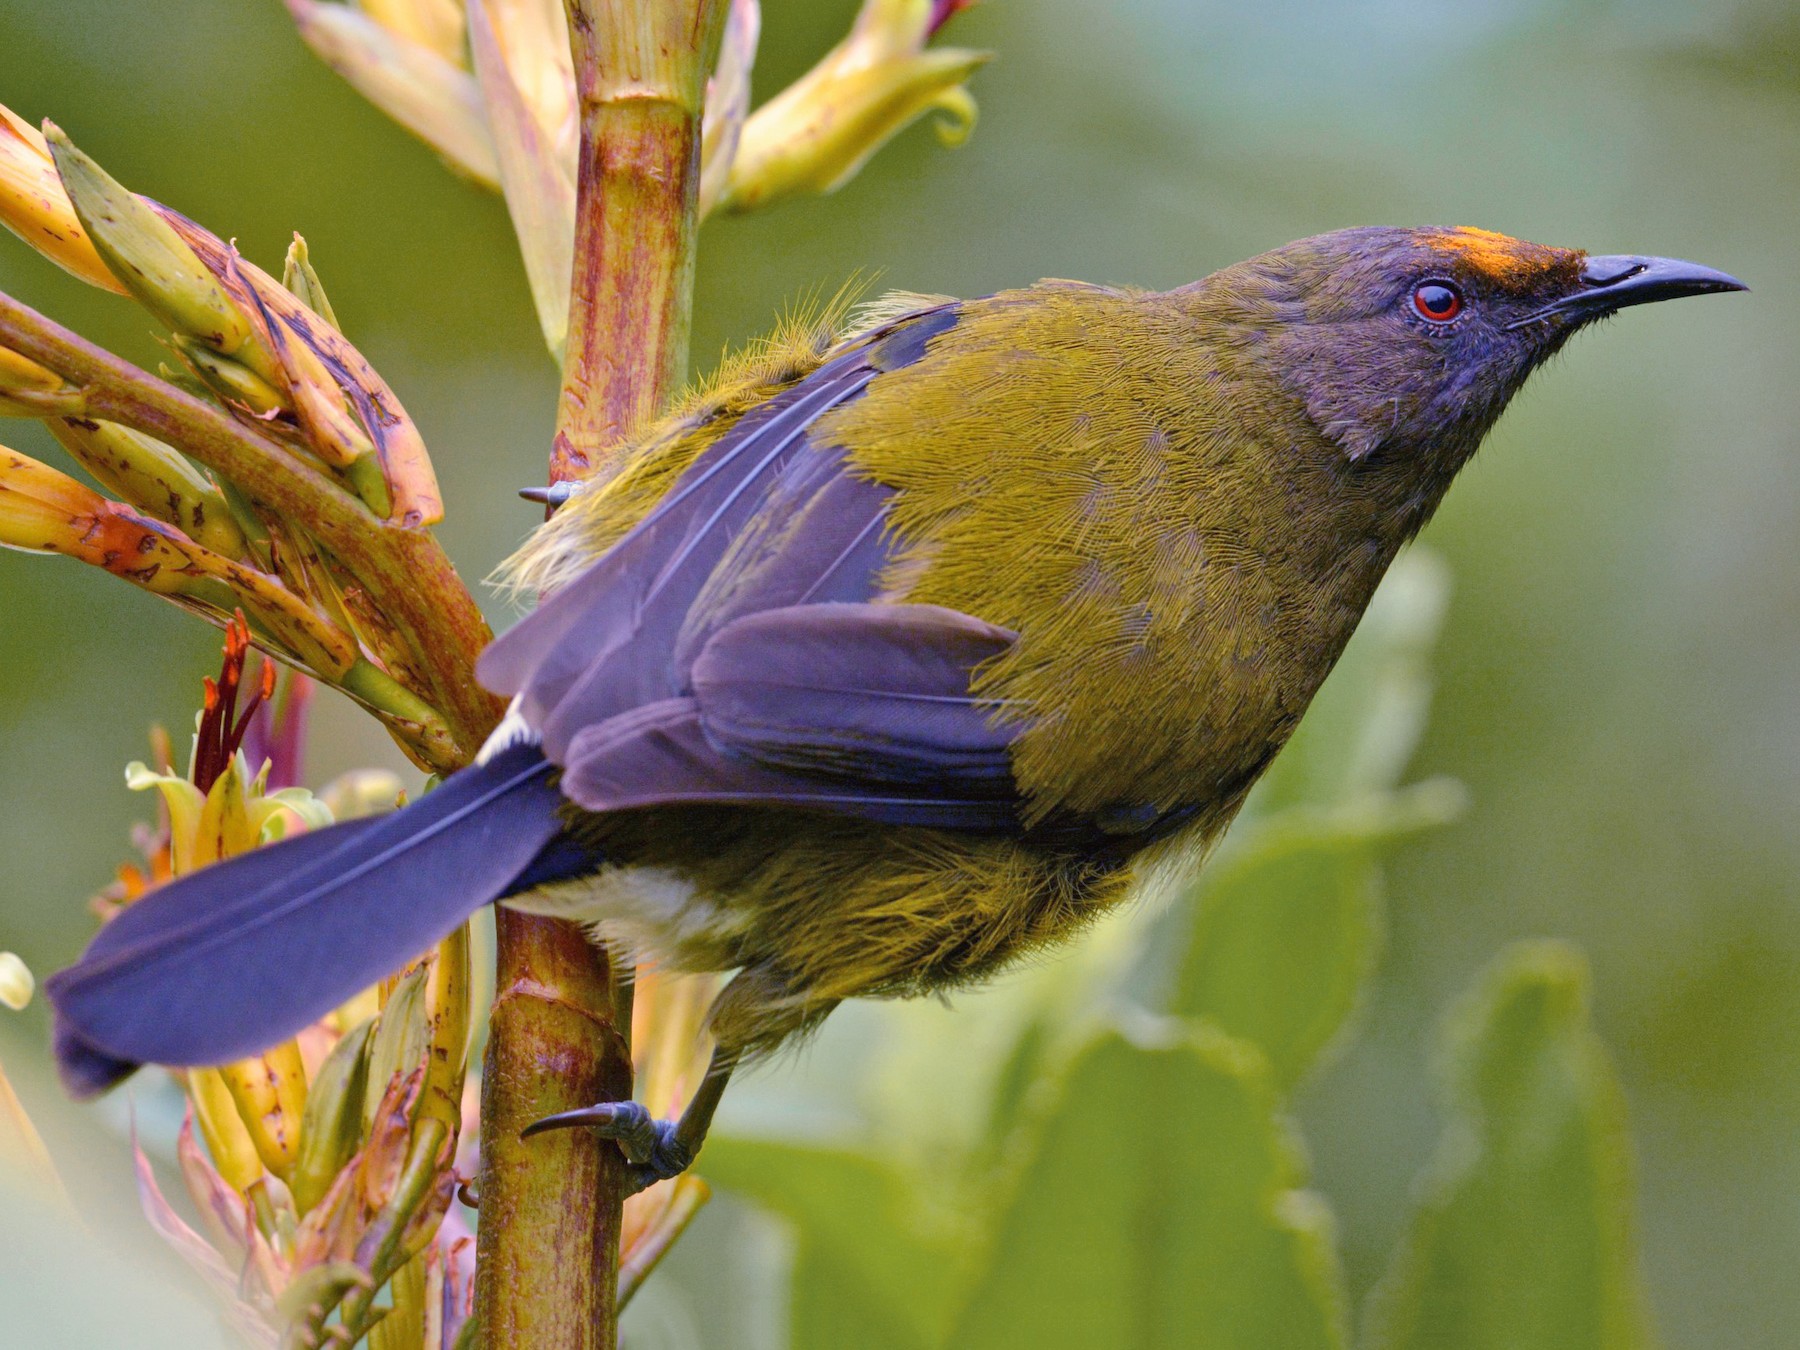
[1501,258]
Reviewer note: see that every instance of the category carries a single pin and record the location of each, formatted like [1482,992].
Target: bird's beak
[1613,281]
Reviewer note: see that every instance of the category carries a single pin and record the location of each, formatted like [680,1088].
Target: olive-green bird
[898,653]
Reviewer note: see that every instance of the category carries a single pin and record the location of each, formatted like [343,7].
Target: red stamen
[942,11]
[221,730]
[257,699]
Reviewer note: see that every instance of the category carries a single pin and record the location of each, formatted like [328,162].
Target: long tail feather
[234,958]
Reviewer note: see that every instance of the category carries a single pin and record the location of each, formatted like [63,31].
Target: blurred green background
[1618,675]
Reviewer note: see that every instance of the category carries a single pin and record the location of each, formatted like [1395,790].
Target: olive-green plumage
[1181,503]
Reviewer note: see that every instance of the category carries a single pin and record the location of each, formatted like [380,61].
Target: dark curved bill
[1613,281]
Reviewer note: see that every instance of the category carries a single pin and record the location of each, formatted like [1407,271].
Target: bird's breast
[1079,466]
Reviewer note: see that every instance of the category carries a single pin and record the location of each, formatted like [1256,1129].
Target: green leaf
[1013,1081]
[1161,1209]
[1282,943]
[1524,1240]
[1286,925]
[864,1273]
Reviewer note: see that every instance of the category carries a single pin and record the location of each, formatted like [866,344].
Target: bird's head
[1404,345]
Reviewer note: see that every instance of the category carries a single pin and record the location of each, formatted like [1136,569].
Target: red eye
[1438,301]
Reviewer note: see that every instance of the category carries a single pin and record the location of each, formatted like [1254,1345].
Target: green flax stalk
[559,1033]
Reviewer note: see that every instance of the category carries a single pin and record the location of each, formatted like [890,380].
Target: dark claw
[652,1147]
[554,495]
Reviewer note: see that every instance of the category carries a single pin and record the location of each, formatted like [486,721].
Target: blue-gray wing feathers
[730,649]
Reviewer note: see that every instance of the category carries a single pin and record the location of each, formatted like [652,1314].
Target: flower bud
[434,99]
[16,983]
[400,1041]
[727,102]
[42,510]
[447,1018]
[143,251]
[231,380]
[332,1123]
[317,399]
[34,206]
[303,283]
[228,1142]
[436,25]
[154,478]
[530,110]
[818,132]
[269,1091]
[45,511]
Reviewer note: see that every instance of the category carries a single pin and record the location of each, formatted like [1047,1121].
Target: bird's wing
[863,709]
[862,693]
[766,517]
[728,649]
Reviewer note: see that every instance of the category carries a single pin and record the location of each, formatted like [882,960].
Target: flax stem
[551,1205]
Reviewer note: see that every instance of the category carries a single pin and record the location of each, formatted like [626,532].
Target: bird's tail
[234,958]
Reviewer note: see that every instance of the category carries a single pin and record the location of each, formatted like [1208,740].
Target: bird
[897,652]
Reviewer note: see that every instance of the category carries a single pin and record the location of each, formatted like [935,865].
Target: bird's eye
[1438,301]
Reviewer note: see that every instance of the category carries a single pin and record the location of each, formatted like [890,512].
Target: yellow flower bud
[298,276]
[523,66]
[42,510]
[153,477]
[436,25]
[318,401]
[233,1154]
[16,983]
[34,206]
[401,1042]
[447,1016]
[269,1091]
[818,132]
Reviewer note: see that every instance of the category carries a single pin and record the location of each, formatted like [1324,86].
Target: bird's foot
[654,1149]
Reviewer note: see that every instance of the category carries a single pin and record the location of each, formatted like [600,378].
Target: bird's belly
[645,913]
[824,908]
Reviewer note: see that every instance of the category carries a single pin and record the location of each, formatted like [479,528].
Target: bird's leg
[656,1149]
